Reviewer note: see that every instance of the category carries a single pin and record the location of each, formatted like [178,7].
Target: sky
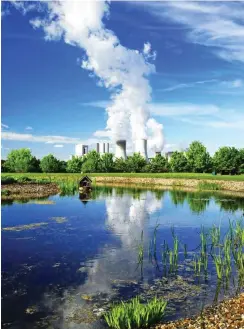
[51,101]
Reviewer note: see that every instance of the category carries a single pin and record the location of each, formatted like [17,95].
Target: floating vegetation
[59,219]
[24,227]
[134,314]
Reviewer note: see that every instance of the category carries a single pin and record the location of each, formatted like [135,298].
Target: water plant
[209,186]
[68,187]
[134,314]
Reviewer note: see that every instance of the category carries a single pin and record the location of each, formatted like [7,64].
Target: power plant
[120,148]
[141,147]
[81,150]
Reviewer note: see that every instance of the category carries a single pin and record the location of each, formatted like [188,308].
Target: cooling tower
[141,147]
[120,149]
[81,149]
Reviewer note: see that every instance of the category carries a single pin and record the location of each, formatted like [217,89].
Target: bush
[133,315]
[8,180]
[24,179]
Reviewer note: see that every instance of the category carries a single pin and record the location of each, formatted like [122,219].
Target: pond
[65,260]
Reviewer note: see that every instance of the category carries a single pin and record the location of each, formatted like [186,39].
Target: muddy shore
[235,186]
[29,191]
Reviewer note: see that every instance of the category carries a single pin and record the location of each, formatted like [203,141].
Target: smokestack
[120,150]
[97,147]
[141,147]
[103,147]
[107,147]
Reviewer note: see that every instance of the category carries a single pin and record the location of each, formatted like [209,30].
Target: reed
[134,314]
[219,265]
[185,250]
[68,187]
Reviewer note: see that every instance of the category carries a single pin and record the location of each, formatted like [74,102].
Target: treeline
[227,160]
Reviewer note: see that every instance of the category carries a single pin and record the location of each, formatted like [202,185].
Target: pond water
[64,261]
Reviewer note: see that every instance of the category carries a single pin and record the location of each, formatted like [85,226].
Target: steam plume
[124,71]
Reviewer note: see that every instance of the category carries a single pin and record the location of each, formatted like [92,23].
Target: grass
[134,314]
[208,186]
[61,176]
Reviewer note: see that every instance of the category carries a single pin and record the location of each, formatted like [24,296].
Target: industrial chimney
[107,148]
[141,147]
[120,149]
[97,147]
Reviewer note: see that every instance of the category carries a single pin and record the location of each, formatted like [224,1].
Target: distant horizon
[189,59]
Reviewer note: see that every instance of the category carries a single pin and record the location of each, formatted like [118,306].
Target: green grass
[134,314]
[208,186]
[60,176]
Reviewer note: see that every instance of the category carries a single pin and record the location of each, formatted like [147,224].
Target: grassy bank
[69,176]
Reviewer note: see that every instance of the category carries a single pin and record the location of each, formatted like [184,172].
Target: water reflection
[109,272]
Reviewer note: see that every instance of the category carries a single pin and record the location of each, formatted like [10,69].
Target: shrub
[8,180]
[133,315]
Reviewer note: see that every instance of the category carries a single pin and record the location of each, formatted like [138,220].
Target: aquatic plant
[210,186]
[68,187]
[215,236]
[134,314]
[185,250]
[219,265]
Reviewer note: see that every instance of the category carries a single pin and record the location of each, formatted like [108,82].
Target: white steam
[122,70]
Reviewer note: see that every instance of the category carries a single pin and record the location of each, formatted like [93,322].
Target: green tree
[241,160]
[135,163]
[92,162]
[21,161]
[178,162]
[158,164]
[107,162]
[50,164]
[120,165]
[198,158]
[227,160]
[74,165]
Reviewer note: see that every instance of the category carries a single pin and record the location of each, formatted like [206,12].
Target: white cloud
[44,139]
[28,128]
[182,109]
[3,126]
[188,85]
[58,145]
[101,104]
[238,83]
[218,25]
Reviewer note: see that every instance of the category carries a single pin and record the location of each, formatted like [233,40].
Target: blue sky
[50,103]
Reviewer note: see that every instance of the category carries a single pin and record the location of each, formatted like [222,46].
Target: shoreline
[23,191]
[223,315]
[29,191]
[234,186]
